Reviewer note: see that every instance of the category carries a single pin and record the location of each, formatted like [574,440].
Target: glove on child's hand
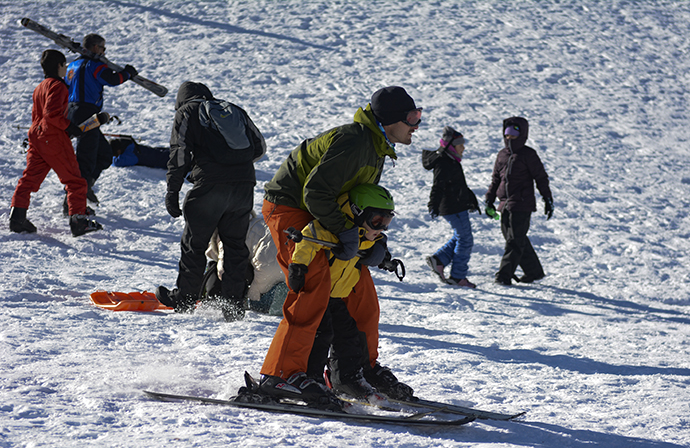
[296,273]
[349,244]
[376,253]
[548,208]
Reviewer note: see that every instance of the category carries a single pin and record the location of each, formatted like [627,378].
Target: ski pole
[296,236]
[391,265]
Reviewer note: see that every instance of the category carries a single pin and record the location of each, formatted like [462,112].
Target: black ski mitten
[172,203]
[296,273]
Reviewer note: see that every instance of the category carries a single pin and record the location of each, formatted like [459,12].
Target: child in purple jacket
[517,169]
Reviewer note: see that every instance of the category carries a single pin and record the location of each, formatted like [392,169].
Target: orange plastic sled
[122,301]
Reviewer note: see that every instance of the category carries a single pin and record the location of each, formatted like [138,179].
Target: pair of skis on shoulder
[69,44]
[419,413]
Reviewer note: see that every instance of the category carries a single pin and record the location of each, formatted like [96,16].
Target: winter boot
[19,223]
[385,382]
[354,385]
[530,278]
[81,224]
[232,308]
[173,299]
[90,195]
[301,388]
[435,264]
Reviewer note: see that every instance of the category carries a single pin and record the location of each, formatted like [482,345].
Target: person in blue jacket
[85,79]
[127,152]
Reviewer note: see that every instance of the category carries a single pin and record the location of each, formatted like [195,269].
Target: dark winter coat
[192,145]
[517,169]
[449,192]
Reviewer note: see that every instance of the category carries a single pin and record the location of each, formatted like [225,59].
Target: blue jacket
[86,77]
[135,154]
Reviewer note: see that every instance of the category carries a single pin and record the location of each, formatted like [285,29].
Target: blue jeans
[457,250]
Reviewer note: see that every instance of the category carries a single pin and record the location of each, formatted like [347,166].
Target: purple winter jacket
[517,169]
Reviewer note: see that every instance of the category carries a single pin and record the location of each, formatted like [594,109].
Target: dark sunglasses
[414,117]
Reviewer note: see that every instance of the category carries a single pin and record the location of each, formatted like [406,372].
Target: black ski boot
[19,223]
[81,224]
[299,387]
[385,382]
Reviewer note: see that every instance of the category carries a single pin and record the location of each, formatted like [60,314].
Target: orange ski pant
[53,152]
[303,311]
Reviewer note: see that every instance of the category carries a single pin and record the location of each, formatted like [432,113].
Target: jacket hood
[523,127]
[189,91]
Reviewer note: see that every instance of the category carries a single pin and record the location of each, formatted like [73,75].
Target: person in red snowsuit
[50,147]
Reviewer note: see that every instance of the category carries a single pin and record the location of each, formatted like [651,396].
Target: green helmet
[368,201]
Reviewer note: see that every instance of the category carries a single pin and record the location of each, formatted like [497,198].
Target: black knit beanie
[391,104]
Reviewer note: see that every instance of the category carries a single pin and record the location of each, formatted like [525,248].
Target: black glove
[131,71]
[475,205]
[548,208]
[349,244]
[172,203]
[73,131]
[375,255]
[103,117]
[296,273]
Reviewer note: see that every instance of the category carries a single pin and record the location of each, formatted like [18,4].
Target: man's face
[400,132]
[98,48]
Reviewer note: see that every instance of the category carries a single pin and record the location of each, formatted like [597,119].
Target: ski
[416,419]
[455,409]
[75,47]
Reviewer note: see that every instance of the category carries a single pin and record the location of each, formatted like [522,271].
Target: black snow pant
[226,207]
[518,249]
[338,333]
[94,153]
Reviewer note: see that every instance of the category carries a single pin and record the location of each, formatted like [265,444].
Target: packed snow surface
[597,353]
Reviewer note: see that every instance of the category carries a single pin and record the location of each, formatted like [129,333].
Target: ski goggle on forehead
[379,221]
[414,117]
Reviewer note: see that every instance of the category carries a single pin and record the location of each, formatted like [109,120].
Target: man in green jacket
[306,187]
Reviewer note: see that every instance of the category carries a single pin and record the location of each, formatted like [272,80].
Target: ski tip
[24,21]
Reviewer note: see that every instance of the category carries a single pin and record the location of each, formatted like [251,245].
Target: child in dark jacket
[451,198]
[517,169]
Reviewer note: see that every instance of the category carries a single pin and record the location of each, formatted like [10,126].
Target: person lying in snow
[127,152]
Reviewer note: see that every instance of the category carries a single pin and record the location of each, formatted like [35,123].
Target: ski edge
[312,412]
[461,410]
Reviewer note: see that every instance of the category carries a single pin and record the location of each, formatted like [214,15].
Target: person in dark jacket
[86,78]
[222,198]
[127,152]
[517,169]
[451,198]
[50,147]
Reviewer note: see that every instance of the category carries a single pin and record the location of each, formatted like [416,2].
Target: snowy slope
[598,352]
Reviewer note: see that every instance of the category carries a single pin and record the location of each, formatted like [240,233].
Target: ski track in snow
[597,353]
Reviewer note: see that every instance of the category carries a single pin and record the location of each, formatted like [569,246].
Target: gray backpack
[233,123]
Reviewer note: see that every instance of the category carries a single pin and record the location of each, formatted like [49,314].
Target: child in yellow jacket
[370,207]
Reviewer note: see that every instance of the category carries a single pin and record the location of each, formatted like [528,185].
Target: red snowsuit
[51,147]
